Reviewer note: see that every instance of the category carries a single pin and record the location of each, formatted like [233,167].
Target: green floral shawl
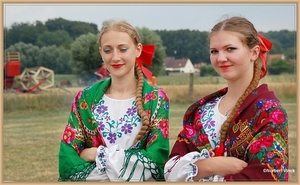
[152,150]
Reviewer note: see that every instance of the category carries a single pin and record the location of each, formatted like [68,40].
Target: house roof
[168,61]
[171,62]
[275,56]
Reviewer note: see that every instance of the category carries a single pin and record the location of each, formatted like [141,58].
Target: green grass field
[33,126]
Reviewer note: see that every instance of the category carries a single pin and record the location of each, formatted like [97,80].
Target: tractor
[30,80]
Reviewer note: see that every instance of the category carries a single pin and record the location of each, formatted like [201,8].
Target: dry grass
[181,93]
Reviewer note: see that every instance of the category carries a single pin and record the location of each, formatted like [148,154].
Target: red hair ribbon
[146,58]
[265,46]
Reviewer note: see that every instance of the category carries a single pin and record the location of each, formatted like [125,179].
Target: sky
[154,16]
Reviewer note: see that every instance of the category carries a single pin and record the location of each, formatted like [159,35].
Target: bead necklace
[224,105]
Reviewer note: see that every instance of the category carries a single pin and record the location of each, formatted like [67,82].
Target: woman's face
[232,59]
[119,53]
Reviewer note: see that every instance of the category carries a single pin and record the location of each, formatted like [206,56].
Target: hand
[89,154]
[218,166]
[228,165]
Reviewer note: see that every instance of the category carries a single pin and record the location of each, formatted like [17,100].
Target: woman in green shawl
[118,129]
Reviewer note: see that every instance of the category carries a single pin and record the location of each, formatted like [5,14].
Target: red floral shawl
[258,134]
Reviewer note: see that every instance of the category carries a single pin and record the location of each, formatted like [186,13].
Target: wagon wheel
[26,78]
[45,77]
[38,77]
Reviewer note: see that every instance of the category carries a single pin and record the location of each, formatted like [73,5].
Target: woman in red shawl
[239,133]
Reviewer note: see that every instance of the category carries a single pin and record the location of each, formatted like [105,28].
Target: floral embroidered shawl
[258,135]
[81,132]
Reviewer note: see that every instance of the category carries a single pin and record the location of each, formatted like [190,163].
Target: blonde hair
[124,26]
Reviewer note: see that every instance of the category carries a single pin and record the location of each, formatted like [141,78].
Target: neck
[230,98]
[122,89]
[236,90]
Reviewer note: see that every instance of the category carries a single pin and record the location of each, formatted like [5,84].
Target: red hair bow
[146,58]
[265,46]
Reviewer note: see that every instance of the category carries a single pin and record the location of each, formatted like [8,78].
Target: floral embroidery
[151,138]
[277,117]
[193,172]
[102,159]
[101,109]
[203,138]
[164,127]
[209,124]
[75,101]
[189,131]
[101,126]
[83,105]
[131,111]
[115,129]
[213,135]
[261,142]
[112,137]
[150,96]
[127,128]
[166,106]
[68,135]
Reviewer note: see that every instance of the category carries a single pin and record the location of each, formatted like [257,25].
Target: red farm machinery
[30,80]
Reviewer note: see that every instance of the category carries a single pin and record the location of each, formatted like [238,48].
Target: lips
[224,67]
[116,66]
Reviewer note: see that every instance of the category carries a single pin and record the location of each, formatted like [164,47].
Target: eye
[231,48]
[123,49]
[106,50]
[213,51]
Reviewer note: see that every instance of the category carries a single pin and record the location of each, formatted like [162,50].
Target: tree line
[70,47]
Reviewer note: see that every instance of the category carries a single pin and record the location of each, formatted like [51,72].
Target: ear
[139,49]
[255,52]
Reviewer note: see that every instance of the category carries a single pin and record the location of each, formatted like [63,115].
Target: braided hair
[249,89]
[139,104]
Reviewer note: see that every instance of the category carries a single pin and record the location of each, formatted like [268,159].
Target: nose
[115,55]
[221,57]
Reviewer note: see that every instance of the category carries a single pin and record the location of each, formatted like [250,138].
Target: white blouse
[183,168]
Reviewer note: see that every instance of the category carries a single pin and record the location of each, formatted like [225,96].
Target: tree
[52,57]
[58,38]
[290,53]
[186,43]
[208,70]
[276,48]
[40,27]
[86,56]
[150,37]
[56,58]
[28,54]
[23,32]
[287,39]
[279,66]
[74,28]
